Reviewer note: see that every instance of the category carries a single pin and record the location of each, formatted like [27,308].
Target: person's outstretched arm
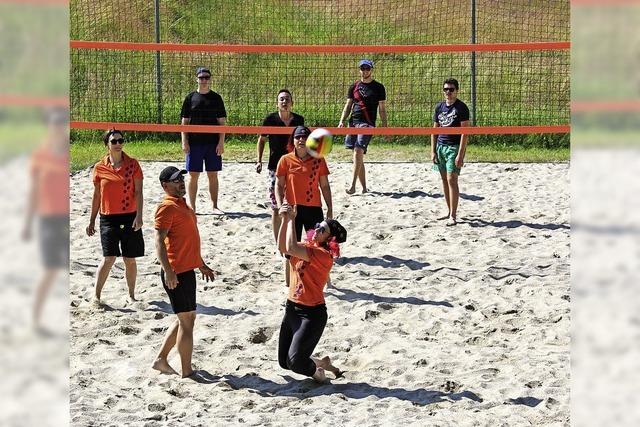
[287,239]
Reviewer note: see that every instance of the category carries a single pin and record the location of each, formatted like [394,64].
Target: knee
[108,261]
[129,262]
[297,365]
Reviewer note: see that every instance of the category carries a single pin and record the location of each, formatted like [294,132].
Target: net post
[156,7]
[473,63]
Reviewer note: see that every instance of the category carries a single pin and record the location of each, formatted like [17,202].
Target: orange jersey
[301,179]
[309,277]
[50,175]
[117,190]
[183,240]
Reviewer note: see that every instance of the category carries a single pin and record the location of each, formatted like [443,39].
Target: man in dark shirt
[364,99]
[203,107]
[279,145]
[448,154]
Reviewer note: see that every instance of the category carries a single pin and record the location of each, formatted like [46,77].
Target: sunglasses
[177,180]
[449,89]
[204,77]
[117,141]
[320,228]
[365,68]
[301,137]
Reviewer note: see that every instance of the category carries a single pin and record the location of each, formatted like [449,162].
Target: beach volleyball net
[134,61]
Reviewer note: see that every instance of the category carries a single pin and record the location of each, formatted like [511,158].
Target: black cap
[170,173]
[200,70]
[301,131]
[337,230]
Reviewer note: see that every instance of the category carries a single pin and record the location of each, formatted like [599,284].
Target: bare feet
[96,302]
[350,190]
[217,211]
[325,363]
[452,221]
[163,366]
[188,374]
[319,376]
[365,191]
[440,218]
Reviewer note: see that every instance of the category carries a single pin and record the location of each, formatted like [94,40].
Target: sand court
[436,323]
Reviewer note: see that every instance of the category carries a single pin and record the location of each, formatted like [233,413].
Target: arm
[137,222]
[345,112]
[95,207]
[325,188]
[220,148]
[463,146]
[433,144]
[184,136]
[31,207]
[171,279]
[287,239]
[259,151]
[280,190]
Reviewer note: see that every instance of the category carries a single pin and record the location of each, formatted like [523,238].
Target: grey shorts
[361,141]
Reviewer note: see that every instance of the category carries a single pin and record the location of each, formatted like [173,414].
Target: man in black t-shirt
[448,153]
[279,145]
[203,107]
[364,99]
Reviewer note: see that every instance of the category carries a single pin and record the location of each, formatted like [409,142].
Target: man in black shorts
[178,249]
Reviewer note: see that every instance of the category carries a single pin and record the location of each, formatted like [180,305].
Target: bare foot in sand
[365,191]
[350,190]
[319,376]
[443,217]
[325,363]
[452,221]
[217,211]
[163,366]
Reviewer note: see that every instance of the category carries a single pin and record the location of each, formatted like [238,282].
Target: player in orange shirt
[49,202]
[117,195]
[300,180]
[306,313]
[178,250]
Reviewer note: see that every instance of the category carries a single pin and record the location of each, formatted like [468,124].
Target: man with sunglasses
[365,98]
[448,151]
[203,107]
[178,250]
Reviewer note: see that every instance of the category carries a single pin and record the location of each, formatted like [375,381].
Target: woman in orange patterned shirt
[117,195]
[306,313]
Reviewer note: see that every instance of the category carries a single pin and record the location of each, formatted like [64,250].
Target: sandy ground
[465,325]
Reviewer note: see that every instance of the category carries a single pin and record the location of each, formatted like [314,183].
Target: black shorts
[308,216]
[183,296]
[54,241]
[116,232]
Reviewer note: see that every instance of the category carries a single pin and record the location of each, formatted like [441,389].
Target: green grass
[513,88]
[85,154]
[18,139]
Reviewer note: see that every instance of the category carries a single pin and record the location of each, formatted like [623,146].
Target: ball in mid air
[319,143]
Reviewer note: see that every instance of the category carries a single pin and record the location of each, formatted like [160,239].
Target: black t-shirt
[203,109]
[450,116]
[365,101]
[278,143]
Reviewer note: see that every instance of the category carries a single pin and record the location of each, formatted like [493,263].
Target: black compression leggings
[300,332]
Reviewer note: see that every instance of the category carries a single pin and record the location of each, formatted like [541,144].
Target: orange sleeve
[164,217]
[324,169]
[137,171]
[319,256]
[283,167]
[94,174]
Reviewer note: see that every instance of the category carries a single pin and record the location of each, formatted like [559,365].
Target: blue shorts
[361,141]
[206,153]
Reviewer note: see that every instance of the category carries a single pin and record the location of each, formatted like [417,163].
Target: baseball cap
[337,230]
[170,173]
[301,131]
[200,70]
[365,62]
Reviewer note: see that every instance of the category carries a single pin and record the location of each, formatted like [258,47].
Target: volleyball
[319,143]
